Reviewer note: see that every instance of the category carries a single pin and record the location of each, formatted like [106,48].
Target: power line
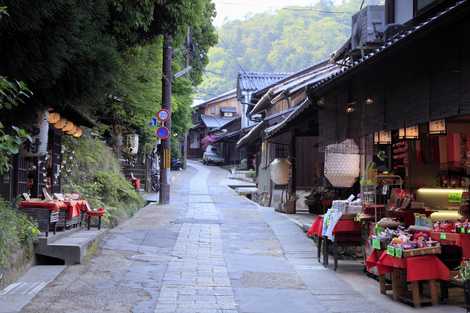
[315,10]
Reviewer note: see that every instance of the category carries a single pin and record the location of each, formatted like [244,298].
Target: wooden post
[434,289]
[293,186]
[416,294]
[383,285]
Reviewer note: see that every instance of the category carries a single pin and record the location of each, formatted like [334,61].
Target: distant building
[209,116]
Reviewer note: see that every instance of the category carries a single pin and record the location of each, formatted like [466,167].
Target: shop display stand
[371,197]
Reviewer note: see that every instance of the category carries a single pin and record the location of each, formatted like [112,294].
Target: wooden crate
[422,251]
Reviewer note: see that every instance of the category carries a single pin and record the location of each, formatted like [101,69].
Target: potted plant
[464,276]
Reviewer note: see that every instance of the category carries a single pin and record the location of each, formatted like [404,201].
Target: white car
[211,156]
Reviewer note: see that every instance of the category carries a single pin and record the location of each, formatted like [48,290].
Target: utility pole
[165,151]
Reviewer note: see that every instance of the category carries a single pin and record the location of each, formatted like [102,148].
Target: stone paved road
[210,251]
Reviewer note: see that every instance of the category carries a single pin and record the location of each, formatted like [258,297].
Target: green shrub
[92,169]
[17,232]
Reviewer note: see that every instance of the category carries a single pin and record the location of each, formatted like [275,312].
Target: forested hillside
[285,41]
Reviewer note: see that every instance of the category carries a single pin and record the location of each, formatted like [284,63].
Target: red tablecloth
[373,258]
[74,207]
[426,267]
[343,226]
[51,205]
[346,226]
[454,239]
[316,229]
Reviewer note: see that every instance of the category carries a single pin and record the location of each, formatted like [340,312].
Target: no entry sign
[163,115]
[163,133]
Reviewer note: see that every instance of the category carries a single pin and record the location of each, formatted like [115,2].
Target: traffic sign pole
[165,152]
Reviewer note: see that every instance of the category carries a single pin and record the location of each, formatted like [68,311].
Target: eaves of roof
[251,135]
[224,96]
[275,129]
[293,85]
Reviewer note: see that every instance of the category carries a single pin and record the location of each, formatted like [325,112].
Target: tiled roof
[216,121]
[224,96]
[273,130]
[257,131]
[295,82]
[252,81]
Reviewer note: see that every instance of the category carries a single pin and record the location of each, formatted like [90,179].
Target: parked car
[176,164]
[211,156]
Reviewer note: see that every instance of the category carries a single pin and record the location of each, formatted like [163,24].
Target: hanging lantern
[401,133]
[279,171]
[383,137]
[78,133]
[53,117]
[411,132]
[68,127]
[438,127]
[72,131]
[60,124]
[342,163]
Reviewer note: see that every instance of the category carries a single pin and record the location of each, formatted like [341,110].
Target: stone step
[17,295]
[69,246]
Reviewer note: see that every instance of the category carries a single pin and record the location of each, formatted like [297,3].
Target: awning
[229,136]
[252,135]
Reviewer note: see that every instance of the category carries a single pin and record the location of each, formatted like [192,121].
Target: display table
[346,233]
[411,270]
[454,239]
[74,209]
[315,231]
[45,213]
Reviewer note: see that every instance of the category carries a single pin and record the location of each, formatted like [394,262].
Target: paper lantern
[411,132]
[342,163]
[383,137]
[60,124]
[53,117]
[78,133]
[72,131]
[279,170]
[68,126]
[437,127]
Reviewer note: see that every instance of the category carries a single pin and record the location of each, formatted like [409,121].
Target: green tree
[284,41]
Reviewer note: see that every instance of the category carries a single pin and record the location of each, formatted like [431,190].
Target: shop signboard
[455,197]
[39,135]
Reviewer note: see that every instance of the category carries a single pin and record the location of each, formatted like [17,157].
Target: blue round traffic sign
[163,133]
[163,115]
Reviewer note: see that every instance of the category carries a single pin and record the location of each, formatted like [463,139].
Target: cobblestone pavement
[211,251]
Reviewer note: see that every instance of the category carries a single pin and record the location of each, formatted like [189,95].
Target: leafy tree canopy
[71,53]
[284,41]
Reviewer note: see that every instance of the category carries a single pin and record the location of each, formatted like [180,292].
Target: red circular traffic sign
[163,133]
[163,115]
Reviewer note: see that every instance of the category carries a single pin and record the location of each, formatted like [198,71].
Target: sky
[237,9]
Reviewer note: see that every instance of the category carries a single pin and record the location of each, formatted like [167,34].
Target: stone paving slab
[17,295]
[212,251]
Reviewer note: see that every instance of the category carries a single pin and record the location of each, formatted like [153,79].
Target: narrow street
[210,251]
